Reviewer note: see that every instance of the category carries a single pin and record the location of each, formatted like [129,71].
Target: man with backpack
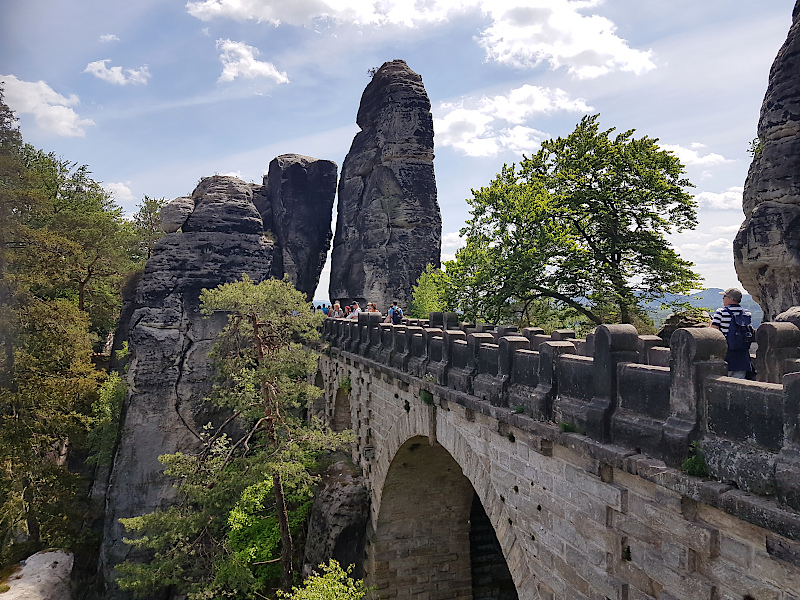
[395,315]
[734,323]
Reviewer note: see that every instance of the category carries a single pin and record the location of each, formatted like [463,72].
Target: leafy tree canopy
[581,223]
[331,583]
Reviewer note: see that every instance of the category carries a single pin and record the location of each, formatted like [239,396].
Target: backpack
[740,333]
[397,315]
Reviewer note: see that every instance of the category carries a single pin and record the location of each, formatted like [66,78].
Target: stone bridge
[505,464]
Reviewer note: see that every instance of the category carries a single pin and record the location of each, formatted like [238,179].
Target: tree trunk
[82,295]
[286,535]
[31,521]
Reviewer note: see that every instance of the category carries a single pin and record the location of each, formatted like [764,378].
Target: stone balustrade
[615,386]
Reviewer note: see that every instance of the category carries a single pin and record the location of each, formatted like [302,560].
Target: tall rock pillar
[389,227]
[301,191]
[767,248]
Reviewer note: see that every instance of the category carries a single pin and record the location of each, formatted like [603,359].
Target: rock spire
[388,226]
[767,248]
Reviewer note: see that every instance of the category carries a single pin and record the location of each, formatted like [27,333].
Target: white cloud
[716,251]
[51,110]
[523,33]
[728,229]
[115,75]
[109,37]
[526,34]
[451,242]
[690,156]
[479,131]
[730,199]
[305,12]
[120,190]
[238,60]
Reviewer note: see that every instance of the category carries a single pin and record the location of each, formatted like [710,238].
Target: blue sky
[154,95]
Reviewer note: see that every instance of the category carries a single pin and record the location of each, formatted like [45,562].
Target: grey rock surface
[680,321]
[169,373]
[301,190]
[790,315]
[388,226]
[767,247]
[224,204]
[338,524]
[44,576]
[175,213]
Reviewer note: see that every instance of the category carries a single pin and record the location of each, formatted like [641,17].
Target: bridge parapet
[615,387]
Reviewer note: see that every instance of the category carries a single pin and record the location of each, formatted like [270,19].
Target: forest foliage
[65,251]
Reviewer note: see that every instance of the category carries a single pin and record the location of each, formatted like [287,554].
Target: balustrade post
[695,353]
[613,344]
[778,343]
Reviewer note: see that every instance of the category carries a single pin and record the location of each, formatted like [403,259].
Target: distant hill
[710,299]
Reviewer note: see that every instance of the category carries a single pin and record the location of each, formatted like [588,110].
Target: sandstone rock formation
[43,576]
[175,213]
[767,247]
[676,321]
[301,190]
[388,227]
[790,315]
[169,340]
[338,523]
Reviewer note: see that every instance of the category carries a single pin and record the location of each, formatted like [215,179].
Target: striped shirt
[722,318]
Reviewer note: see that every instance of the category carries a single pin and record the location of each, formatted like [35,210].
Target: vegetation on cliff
[581,225]
[65,250]
[242,500]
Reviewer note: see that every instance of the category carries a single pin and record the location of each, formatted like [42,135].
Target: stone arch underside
[454,465]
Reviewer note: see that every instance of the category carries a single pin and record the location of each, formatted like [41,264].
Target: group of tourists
[352,310]
[732,320]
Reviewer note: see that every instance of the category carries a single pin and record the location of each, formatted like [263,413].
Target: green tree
[430,294]
[583,223]
[147,225]
[54,230]
[332,583]
[43,415]
[243,498]
[68,238]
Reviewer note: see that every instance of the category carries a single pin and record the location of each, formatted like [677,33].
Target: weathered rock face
[300,191]
[175,213]
[169,373]
[44,576]
[767,247]
[790,315]
[389,226]
[681,321]
[338,524]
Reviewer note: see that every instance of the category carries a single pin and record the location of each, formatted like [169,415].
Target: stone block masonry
[576,516]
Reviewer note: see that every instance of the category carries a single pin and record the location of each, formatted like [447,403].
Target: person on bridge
[356,311]
[734,323]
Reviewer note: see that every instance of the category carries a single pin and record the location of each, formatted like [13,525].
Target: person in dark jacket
[738,360]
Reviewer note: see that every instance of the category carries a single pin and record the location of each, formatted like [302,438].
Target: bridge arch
[433,501]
